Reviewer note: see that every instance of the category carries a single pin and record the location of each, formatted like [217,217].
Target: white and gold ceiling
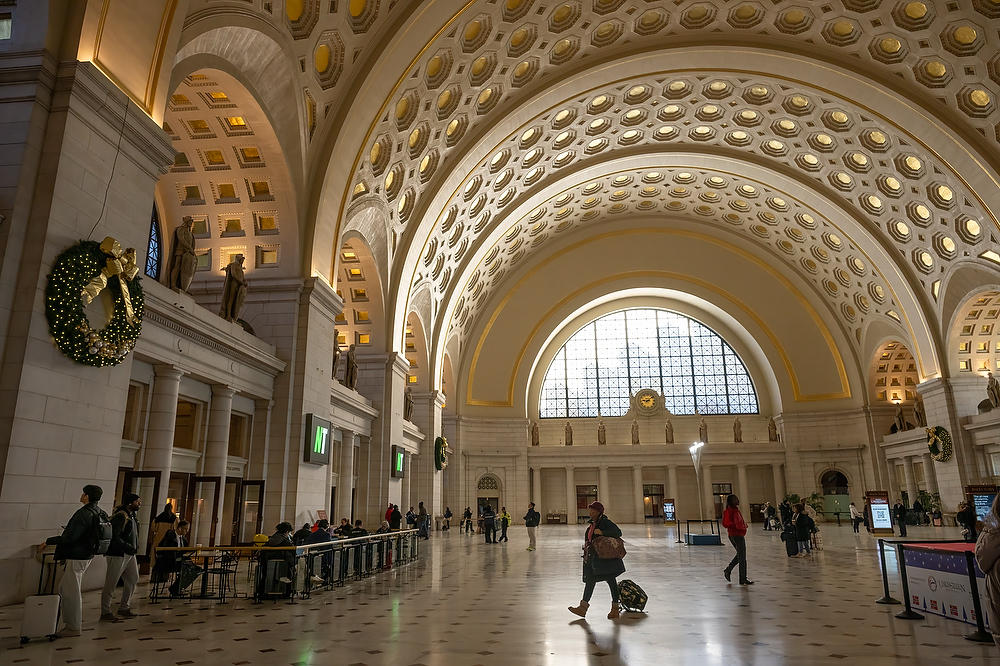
[851,146]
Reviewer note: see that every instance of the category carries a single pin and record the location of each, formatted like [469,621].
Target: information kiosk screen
[881,515]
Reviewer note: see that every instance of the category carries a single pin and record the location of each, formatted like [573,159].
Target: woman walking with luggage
[602,560]
[733,521]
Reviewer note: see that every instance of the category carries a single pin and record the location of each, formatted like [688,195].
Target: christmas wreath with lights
[440,453]
[78,276]
[939,443]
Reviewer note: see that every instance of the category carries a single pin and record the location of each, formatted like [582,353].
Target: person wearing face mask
[597,569]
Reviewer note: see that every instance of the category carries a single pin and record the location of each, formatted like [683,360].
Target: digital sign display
[881,514]
[669,512]
[982,503]
[317,440]
[398,470]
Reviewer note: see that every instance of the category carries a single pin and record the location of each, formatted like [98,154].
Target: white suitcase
[41,616]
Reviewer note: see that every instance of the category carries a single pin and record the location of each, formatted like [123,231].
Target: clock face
[647,402]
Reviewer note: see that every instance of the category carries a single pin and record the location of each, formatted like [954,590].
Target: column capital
[223,391]
[167,371]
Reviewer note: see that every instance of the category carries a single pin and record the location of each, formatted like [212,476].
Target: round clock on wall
[647,402]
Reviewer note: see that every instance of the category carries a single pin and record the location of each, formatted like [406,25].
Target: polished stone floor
[471,603]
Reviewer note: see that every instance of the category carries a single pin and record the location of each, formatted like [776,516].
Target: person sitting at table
[170,562]
[281,538]
[321,535]
[344,529]
[300,537]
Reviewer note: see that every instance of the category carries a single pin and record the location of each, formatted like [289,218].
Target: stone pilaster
[426,479]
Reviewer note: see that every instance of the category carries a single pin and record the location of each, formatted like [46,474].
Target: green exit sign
[398,470]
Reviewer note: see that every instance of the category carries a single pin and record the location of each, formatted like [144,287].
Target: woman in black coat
[595,568]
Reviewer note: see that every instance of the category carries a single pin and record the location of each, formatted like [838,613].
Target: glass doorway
[585,496]
[251,516]
[652,500]
[147,486]
[720,491]
[202,507]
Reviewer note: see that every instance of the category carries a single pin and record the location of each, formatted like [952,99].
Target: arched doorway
[488,492]
[836,496]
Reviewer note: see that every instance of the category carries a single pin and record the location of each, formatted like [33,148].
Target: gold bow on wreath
[120,263]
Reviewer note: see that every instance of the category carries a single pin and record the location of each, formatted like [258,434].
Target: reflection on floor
[472,603]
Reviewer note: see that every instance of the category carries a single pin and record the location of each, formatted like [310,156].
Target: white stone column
[536,487]
[260,441]
[217,450]
[708,499]
[345,477]
[779,482]
[160,434]
[741,471]
[640,506]
[406,487]
[570,495]
[427,479]
[604,489]
[911,482]
[946,402]
[930,475]
[671,489]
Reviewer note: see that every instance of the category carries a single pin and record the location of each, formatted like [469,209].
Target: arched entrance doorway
[488,492]
[836,496]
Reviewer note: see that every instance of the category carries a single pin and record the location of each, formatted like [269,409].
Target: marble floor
[466,602]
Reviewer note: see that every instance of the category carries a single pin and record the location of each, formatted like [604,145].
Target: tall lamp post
[695,450]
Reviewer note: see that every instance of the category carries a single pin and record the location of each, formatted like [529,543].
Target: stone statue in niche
[336,352]
[737,430]
[534,433]
[918,413]
[702,429]
[351,372]
[635,432]
[183,260]
[569,434]
[993,390]
[772,430]
[602,434]
[234,291]
[899,423]
[669,431]
[408,404]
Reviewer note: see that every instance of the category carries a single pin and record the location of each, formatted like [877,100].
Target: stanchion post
[886,597]
[677,524]
[907,613]
[980,635]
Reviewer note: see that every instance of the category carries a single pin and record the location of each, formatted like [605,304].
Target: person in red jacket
[733,521]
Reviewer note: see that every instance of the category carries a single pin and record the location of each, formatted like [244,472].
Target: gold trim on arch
[153,76]
[768,185]
[688,70]
[845,391]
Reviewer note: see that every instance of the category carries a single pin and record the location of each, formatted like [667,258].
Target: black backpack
[101,533]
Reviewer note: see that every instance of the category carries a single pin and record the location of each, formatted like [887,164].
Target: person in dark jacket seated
[359,530]
[344,529]
[300,537]
[284,571]
[596,569]
[171,561]
[321,535]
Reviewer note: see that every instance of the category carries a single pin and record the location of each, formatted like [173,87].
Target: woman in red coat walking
[733,521]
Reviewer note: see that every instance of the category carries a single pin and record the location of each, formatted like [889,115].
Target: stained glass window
[154,249]
[621,353]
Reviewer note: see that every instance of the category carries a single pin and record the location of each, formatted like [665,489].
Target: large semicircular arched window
[621,353]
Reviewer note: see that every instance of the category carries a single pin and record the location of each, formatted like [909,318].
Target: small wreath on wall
[79,275]
[939,443]
[440,453]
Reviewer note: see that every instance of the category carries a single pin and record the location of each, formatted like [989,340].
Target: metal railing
[284,572]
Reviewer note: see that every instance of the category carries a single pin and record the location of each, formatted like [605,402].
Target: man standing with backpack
[531,521]
[88,533]
[121,558]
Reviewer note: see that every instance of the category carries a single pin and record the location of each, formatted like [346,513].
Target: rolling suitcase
[41,611]
[791,545]
[631,596]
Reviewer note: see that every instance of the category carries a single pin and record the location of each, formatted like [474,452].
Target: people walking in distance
[856,517]
[447,518]
[121,562]
[804,526]
[531,521]
[899,515]
[504,523]
[596,569]
[76,547]
[785,508]
[489,524]
[732,520]
[467,517]
[423,521]
[766,512]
